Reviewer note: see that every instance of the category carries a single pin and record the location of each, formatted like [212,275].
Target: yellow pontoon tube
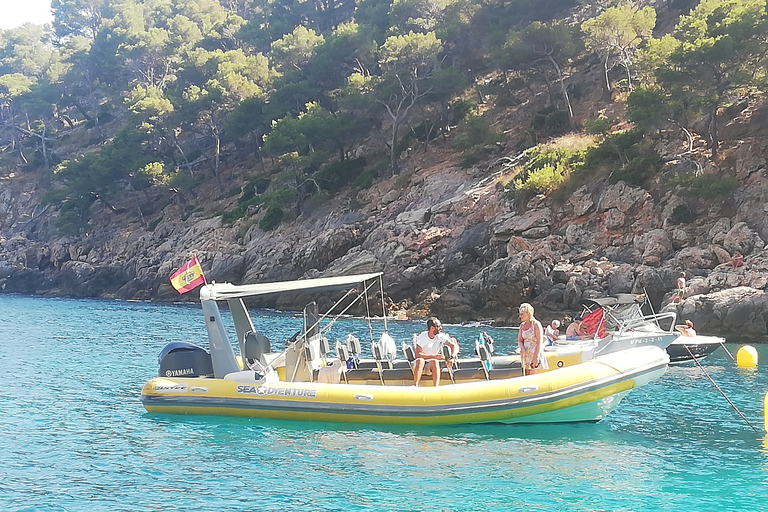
[583,392]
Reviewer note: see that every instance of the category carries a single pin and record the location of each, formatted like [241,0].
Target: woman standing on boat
[530,340]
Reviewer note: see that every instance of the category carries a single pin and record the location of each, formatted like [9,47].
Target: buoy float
[746,357]
[765,414]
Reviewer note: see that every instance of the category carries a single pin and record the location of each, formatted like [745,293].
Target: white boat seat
[446,351]
[342,353]
[485,358]
[354,346]
[378,356]
[255,345]
[410,354]
[372,375]
[488,341]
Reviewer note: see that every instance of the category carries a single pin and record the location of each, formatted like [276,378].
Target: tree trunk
[393,147]
[260,155]
[712,133]
[607,93]
[48,175]
[217,159]
[565,92]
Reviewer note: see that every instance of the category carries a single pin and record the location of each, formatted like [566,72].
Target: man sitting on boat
[427,349]
[552,332]
[575,330]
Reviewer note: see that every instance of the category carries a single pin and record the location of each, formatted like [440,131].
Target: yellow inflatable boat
[306,383]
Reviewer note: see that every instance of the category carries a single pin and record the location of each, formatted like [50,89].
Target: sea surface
[74,436]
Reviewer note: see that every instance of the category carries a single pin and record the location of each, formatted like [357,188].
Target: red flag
[188,277]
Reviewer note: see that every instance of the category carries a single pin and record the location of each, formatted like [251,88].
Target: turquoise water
[74,436]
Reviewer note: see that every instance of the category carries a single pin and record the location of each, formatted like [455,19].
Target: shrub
[682,214]
[545,168]
[460,110]
[229,217]
[337,175]
[628,156]
[476,131]
[260,184]
[72,218]
[639,171]
[271,218]
[551,121]
[598,126]
[705,186]
[470,159]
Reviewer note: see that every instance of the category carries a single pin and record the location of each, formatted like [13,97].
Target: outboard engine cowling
[182,359]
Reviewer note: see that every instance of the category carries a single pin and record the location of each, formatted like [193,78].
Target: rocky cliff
[449,241]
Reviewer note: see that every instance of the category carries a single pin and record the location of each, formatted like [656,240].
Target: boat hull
[583,392]
[684,349]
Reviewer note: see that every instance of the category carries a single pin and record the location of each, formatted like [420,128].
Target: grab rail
[634,323]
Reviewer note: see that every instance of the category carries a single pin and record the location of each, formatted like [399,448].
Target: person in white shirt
[552,332]
[427,351]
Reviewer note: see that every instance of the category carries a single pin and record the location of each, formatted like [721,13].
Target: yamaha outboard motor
[181,359]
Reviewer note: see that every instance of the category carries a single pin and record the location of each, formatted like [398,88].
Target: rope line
[695,360]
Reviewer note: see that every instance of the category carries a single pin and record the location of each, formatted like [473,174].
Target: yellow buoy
[746,357]
[765,414]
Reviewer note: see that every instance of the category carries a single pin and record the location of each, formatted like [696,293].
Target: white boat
[306,382]
[617,323]
[685,348]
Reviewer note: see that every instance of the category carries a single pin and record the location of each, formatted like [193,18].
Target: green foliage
[72,217]
[260,185]
[682,214]
[717,47]
[618,31]
[461,110]
[229,217]
[272,218]
[376,167]
[102,172]
[336,175]
[627,156]
[181,180]
[598,126]
[705,186]
[545,168]
[193,82]
[640,170]
[551,122]
[471,158]
[475,131]
[647,108]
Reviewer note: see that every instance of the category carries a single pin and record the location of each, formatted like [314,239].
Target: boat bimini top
[255,347]
[227,291]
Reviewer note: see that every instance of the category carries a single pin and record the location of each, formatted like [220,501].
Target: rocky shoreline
[448,240]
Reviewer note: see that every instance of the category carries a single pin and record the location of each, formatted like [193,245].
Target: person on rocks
[428,351]
[530,341]
[575,330]
[687,329]
[737,260]
[680,291]
[552,332]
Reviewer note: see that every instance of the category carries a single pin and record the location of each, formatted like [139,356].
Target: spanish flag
[189,276]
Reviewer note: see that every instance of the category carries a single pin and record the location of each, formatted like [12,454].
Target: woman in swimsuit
[530,340]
